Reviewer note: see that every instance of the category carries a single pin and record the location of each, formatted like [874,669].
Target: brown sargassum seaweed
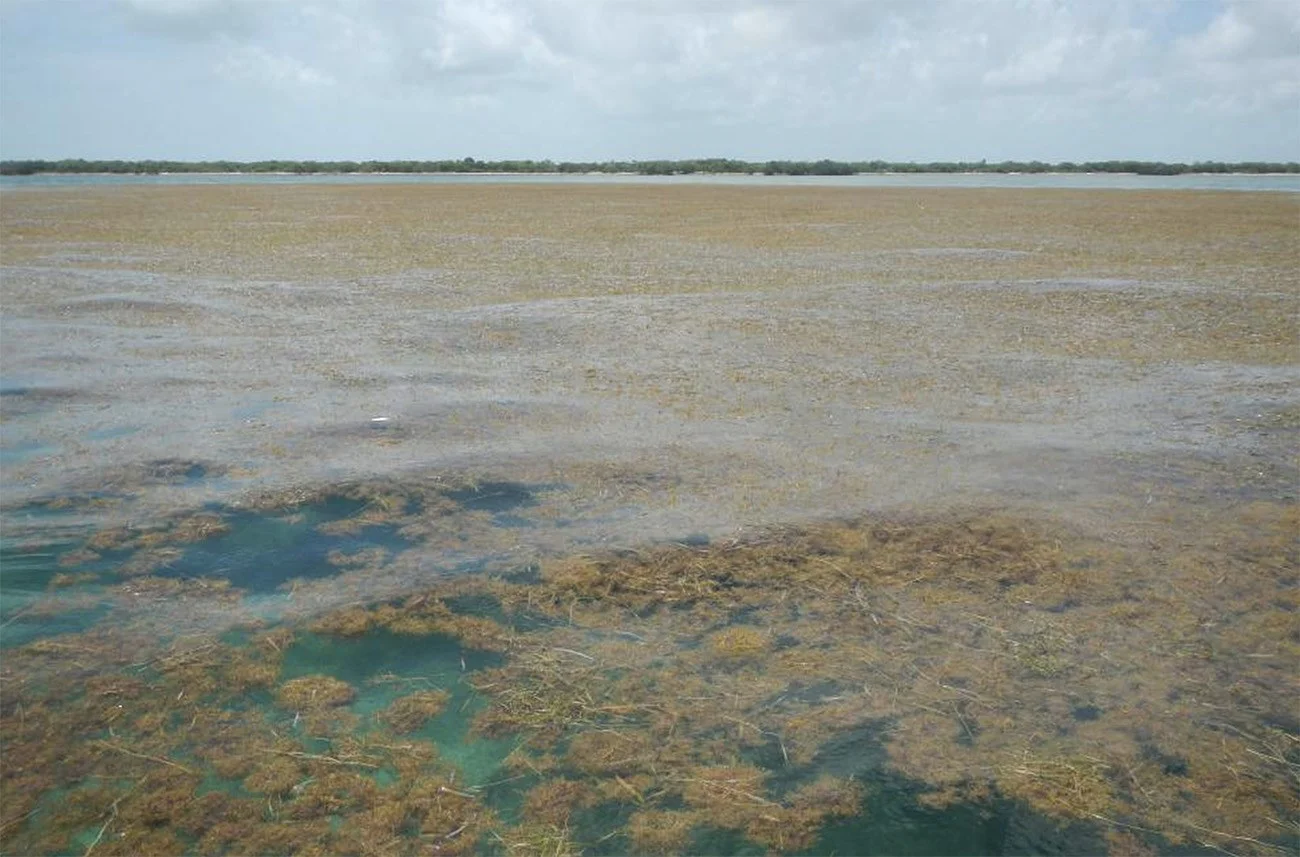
[1145,689]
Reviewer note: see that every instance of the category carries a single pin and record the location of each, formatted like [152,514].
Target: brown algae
[1082,637]
[699,689]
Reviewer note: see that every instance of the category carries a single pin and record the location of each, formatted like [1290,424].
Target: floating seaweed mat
[881,686]
[247,746]
[1000,652]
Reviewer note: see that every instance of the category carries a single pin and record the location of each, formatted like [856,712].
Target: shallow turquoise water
[383,666]
[257,554]
[262,552]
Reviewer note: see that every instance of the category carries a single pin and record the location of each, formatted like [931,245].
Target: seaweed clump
[409,713]
[314,691]
[737,643]
[417,616]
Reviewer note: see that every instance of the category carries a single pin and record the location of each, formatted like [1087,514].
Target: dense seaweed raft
[880,685]
[604,520]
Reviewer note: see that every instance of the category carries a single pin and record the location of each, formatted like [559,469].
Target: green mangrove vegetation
[824,167]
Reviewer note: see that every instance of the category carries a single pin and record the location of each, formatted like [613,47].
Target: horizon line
[654,166]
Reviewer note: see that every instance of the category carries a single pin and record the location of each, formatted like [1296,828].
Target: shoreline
[560,173]
[1254,183]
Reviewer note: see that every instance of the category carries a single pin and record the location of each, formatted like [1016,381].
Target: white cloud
[1245,31]
[739,56]
[841,74]
[1228,36]
[1246,59]
[256,64]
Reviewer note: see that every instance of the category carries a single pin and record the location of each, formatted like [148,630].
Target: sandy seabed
[752,504]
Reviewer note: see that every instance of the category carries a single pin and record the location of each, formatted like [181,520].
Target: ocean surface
[580,515]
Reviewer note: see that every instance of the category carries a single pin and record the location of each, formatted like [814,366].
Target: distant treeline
[649,168]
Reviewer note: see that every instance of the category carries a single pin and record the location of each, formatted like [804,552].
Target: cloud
[735,58]
[262,67]
[1246,59]
[1246,31]
[195,20]
[727,76]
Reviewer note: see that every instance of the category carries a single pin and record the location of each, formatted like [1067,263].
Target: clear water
[262,553]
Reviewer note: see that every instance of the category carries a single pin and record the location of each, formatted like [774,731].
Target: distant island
[645,168]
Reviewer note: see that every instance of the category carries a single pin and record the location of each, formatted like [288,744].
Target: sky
[899,80]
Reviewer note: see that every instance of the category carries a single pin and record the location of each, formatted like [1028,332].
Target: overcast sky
[586,79]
